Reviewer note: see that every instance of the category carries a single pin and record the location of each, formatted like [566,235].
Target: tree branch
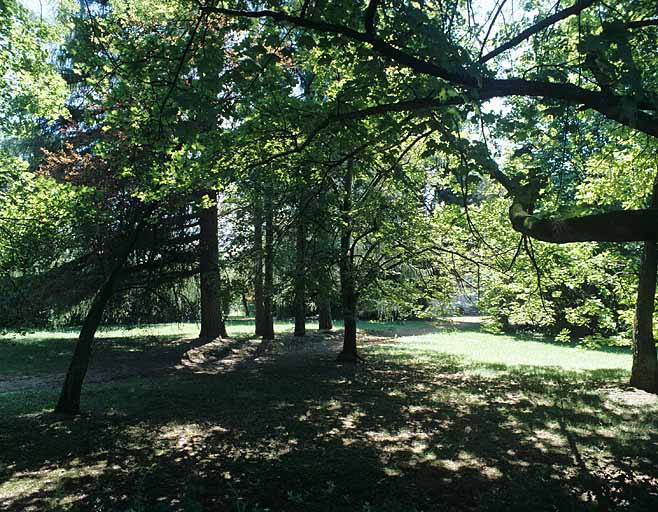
[537,27]
[616,226]
[612,106]
[642,23]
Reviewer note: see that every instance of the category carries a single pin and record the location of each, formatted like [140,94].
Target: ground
[437,418]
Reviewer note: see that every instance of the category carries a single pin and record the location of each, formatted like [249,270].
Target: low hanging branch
[616,226]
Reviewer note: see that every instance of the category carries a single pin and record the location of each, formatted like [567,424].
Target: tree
[300,271]
[212,322]
[69,399]
[446,55]
[644,374]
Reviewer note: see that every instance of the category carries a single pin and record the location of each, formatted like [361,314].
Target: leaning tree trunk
[268,283]
[69,398]
[347,288]
[300,278]
[258,266]
[212,321]
[644,373]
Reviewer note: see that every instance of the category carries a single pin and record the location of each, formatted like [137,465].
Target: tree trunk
[349,352]
[223,312]
[324,311]
[644,373]
[324,281]
[245,305]
[268,284]
[69,398]
[258,266]
[347,288]
[324,299]
[300,278]
[212,321]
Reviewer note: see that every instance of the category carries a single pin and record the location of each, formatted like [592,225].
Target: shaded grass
[439,421]
[42,352]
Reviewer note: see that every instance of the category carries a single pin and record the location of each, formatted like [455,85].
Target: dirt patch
[631,396]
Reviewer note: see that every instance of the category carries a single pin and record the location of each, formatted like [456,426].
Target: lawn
[437,418]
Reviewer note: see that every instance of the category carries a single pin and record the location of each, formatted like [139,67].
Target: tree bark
[644,373]
[617,226]
[258,266]
[245,305]
[268,283]
[324,309]
[212,321]
[349,352]
[69,398]
[324,281]
[347,288]
[300,277]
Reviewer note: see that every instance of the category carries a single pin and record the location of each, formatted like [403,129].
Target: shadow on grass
[35,356]
[306,434]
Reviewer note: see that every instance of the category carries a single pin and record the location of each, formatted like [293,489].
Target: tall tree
[212,321]
[259,298]
[300,270]
[268,277]
[346,262]
[644,373]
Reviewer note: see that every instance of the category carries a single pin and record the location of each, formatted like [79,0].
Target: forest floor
[438,417]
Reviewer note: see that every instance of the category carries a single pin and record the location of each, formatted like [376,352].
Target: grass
[514,351]
[438,419]
[38,352]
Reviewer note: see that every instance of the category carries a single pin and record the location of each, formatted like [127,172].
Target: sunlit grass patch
[513,351]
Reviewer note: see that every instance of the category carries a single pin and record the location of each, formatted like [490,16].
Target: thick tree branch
[617,226]
[642,23]
[624,110]
[378,45]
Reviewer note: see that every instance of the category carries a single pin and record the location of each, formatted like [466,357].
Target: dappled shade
[412,429]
